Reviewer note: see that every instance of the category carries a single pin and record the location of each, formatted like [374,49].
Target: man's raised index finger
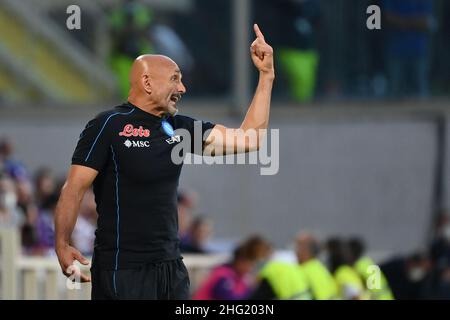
[258,32]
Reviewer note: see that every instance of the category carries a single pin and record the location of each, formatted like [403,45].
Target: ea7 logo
[136,144]
[173,139]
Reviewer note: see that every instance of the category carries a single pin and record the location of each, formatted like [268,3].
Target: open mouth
[175,97]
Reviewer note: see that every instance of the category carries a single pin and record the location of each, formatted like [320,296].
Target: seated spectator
[10,215]
[350,285]
[187,201]
[440,256]
[282,280]
[84,232]
[45,227]
[12,167]
[277,279]
[321,282]
[197,236]
[29,210]
[362,264]
[45,185]
[231,281]
[409,277]
[440,246]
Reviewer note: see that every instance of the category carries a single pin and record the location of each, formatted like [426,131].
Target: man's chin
[173,111]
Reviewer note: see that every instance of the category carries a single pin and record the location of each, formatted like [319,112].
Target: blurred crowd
[28,202]
[333,268]
[323,50]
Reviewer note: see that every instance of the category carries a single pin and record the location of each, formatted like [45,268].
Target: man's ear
[146,83]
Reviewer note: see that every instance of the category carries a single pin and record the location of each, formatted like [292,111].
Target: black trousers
[152,281]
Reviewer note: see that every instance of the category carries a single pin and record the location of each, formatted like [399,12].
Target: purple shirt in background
[45,229]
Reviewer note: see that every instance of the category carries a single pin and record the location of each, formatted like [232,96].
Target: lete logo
[130,131]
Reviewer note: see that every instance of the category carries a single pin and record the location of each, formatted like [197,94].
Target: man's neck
[147,106]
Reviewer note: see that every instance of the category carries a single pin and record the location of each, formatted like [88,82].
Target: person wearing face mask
[440,247]
[440,256]
[409,277]
[9,212]
[133,156]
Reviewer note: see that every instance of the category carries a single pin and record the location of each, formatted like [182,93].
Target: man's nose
[181,88]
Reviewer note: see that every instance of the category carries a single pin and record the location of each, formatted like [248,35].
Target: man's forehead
[164,70]
[169,66]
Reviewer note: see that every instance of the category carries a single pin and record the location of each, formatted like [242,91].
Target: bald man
[126,153]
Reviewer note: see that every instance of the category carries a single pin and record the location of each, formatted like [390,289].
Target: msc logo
[136,144]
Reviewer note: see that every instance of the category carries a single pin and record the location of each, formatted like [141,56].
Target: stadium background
[356,158]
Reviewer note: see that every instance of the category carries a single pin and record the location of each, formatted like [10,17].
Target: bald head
[155,84]
[149,64]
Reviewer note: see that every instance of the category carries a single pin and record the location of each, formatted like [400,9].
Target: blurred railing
[32,278]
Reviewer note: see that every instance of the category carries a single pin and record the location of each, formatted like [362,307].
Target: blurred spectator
[291,29]
[362,264]
[10,215]
[409,277]
[278,279]
[14,168]
[440,247]
[194,241]
[322,283]
[45,226]
[232,280]
[25,196]
[350,285]
[440,257]
[187,201]
[262,250]
[23,192]
[45,185]
[282,280]
[27,204]
[408,25]
[129,26]
[207,33]
[83,235]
